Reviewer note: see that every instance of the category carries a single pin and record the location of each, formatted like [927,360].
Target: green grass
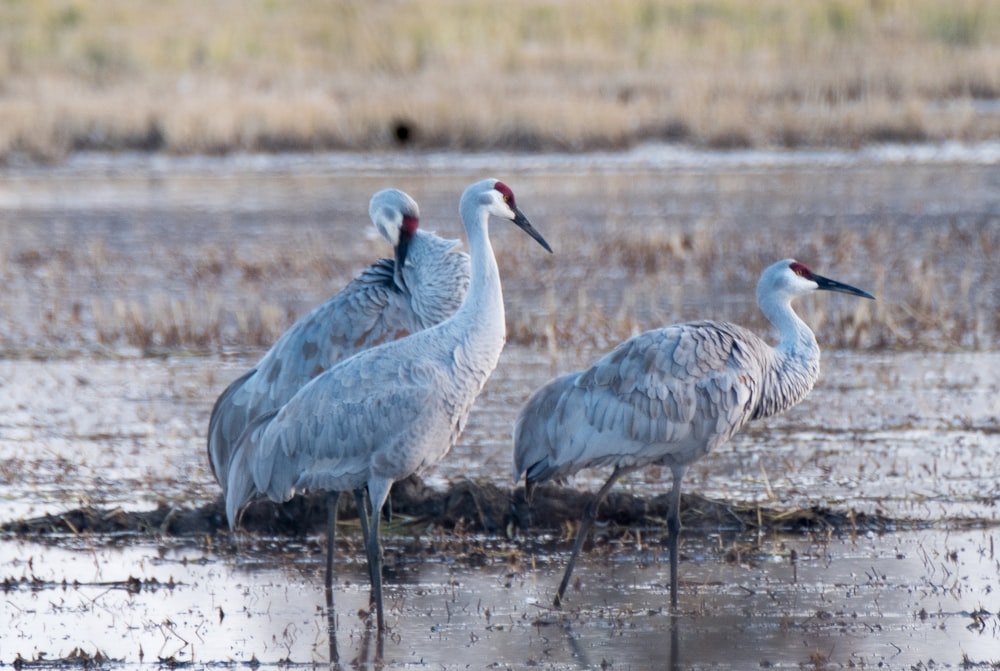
[221,76]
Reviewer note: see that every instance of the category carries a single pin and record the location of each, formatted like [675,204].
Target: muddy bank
[467,506]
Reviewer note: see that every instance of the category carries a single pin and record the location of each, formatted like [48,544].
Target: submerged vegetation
[524,74]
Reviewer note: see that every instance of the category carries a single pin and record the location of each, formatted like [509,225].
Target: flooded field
[137,288]
[905,600]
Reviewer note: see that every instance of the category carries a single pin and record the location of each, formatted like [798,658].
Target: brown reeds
[528,74]
[613,276]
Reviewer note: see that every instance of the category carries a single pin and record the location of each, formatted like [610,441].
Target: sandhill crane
[423,285]
[669,396]
[390,410]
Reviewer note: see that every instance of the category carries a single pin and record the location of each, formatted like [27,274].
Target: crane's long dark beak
[402,247]
[826,284]
[525,225]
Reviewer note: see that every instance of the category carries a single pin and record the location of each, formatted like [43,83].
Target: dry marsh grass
[634,250]
[935,286]
[222,76]
[929,283]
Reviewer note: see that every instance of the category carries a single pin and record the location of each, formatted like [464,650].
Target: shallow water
[910,435]
[876,601]
[903,432]
[128,434]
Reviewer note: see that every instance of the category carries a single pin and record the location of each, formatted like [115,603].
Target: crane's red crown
[801,270]
[508,195]
[409,226]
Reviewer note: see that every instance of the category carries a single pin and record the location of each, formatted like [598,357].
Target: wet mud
[466,507]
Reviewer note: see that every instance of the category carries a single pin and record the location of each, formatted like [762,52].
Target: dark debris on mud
[469,506]
[78,658]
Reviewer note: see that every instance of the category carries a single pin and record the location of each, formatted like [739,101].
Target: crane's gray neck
[794,365]
[484,299]
[479,325]
[797,339]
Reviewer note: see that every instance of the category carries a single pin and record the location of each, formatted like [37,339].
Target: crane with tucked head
[391,410]
[421,286]
[668,397]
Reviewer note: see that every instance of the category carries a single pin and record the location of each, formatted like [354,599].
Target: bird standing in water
[421,286]
[391,410]
[669,396]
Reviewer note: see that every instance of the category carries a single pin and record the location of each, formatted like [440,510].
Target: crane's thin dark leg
[332,501]
[375,566]
[675,644]
[362,504]
[377,493]
[673,533]
[359,501]
[331,627]
[589,515]
[366,658]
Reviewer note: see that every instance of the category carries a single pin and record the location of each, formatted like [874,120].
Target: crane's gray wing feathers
[442,274]
[667,396]
[339,430]
[366,312]
[370,310]
[239,487]
[223,424]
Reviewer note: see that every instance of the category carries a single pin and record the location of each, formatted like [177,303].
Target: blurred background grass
[215,76]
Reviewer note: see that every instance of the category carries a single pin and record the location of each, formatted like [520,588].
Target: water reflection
[925,592]
[370,652]
[675,643]
[583,659]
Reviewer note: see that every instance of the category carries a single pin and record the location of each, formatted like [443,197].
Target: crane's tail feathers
[220,438]
[536,432]
[536,474]
[241,488]
[529,490]
[532,479]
